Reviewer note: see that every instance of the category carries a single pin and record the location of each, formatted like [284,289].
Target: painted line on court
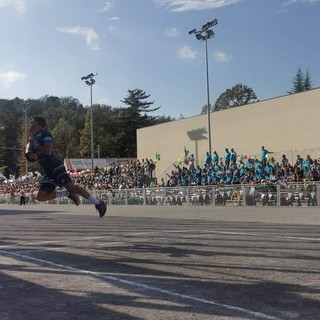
[37,243]
[194,235]
[141,285]
[197,231]
[249,234]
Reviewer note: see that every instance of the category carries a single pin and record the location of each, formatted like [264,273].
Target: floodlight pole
[91,129]
[203,35]
[90,82]
[208,100]
[25,108]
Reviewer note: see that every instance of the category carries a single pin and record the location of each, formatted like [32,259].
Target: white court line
[197,231]
[249,234]
[141,285]
[37,243]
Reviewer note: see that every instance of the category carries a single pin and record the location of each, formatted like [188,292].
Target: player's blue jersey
[48,163]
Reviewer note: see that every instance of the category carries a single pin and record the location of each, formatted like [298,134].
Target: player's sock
[93,200]
[61,194]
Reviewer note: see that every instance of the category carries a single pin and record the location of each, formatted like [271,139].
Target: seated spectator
[274,176]
[299,161]
[298,174]
[284,161]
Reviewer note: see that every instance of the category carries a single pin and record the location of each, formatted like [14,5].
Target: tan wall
[287,124]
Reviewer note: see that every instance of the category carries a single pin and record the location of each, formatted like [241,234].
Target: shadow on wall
[197,135]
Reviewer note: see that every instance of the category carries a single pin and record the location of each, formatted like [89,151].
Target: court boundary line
[39,243]
[197,231]
[141,285]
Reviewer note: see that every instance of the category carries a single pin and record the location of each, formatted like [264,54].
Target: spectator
[284,160]
[11,192]
[22,197]
[208,159]
[227,156]
[264,152]
[191,160]
[233,156]
[299,161]
[215,157]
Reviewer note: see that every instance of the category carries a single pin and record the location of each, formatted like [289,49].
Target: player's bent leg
[75,198]
[73,194]
[77,190]
[45,195]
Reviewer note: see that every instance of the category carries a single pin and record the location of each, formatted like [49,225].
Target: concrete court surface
[164,263]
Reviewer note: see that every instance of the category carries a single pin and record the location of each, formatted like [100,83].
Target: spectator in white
[274,177]
[191,160]
[22,197]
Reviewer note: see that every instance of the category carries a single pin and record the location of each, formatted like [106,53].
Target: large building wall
[285,125]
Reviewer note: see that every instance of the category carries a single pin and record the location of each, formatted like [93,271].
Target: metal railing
[292,194]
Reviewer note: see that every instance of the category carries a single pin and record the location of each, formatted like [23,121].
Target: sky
[47,46]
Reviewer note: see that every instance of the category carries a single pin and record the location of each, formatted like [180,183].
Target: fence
[293,194]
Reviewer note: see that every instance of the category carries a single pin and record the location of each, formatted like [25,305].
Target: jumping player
[40,148]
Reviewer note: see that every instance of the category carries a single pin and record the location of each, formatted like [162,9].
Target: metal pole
[26,133]
[208,98]
[90,82]
[91,128]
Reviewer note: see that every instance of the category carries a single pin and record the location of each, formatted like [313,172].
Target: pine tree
[307,81]
[135,116]
[298,82]
[301,82]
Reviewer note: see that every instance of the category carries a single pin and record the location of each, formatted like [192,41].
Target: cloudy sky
[48,45]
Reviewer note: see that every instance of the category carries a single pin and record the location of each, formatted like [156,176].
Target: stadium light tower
[88,79]
[25,107]
[204,34]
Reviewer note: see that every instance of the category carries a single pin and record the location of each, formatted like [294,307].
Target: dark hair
[40,121]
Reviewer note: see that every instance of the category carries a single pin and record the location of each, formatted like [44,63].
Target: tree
[66,141]
[238,95]
[114,128]
[301,82]
[307,81]
[134,117]
[204,109]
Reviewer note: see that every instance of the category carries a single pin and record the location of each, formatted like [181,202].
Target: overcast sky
[48,45]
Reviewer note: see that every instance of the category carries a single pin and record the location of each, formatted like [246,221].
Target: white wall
[287,124]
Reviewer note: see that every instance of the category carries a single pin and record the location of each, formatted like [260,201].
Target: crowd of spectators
[118,175]
[227,170]
[115,175]
[235,169]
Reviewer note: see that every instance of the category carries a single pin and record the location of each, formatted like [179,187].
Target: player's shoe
[75,198]
[102,208]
